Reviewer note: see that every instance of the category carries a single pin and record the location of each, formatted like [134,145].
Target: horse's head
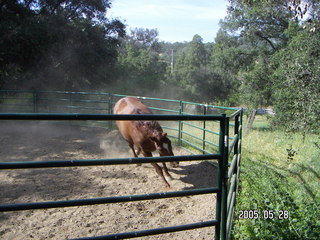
[163,145]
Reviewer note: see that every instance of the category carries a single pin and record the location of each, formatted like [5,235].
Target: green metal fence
[208,132]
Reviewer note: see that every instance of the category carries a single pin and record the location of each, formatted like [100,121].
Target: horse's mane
[147,126]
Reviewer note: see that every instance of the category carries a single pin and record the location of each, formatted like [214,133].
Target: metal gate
[225,154]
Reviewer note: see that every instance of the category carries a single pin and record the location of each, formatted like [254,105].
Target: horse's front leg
[166,171]
[158,170]
[160,173]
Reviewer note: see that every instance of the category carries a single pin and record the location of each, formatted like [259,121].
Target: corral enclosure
[70,140]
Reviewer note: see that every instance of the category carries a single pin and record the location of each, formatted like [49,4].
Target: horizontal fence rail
[76,116]
[150,232]
[204,139]
[104,162]
[95,201]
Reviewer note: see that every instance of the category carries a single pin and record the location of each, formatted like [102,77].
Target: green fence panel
[197,137]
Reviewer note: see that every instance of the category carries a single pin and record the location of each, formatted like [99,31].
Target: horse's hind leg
[132,148]
[138,151]
[134,152]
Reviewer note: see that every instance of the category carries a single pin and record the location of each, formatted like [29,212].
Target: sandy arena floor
[41,141]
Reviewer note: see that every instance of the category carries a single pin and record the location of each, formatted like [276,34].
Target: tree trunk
[250,121]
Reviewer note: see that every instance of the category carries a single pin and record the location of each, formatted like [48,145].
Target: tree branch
[259,34]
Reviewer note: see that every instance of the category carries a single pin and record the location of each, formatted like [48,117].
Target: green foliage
[196,56]
[229,58]
[195,74]
[261,23]
[190,66]
[56,44]
[284,177]
[257,88]
[140,68]
[252,31]
[297,82]
[144,38]
[280,63]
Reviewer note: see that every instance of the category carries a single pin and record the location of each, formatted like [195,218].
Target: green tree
[261,23]
[139,63]
[230,57]
[145,38]
[266,53]
[57,44]
[256,87]
[191,68]
[297,82]
[197,54]
[251,33]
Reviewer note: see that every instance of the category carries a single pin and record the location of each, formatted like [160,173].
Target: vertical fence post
[180,124]
[223,174]
[204,131]
[241,130]
[236,153]
[218,201]
[238,146]
[236,132]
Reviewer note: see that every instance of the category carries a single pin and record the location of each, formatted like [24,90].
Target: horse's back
[130,105]
[129,129]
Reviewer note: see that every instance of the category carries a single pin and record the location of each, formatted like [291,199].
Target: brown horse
[146,136]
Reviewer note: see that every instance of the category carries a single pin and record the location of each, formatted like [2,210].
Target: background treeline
[266,53]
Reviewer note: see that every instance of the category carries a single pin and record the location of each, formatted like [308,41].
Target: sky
[175,20]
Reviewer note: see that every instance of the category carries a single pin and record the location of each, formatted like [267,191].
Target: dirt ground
[41,141]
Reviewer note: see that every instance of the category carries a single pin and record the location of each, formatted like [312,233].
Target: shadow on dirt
[198,174]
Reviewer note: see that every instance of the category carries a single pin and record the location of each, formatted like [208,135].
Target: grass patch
[280,172]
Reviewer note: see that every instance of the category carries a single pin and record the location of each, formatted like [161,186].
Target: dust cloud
[114,145]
